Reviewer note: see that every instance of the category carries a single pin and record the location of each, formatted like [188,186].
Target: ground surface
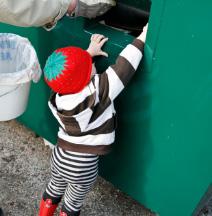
[24,172]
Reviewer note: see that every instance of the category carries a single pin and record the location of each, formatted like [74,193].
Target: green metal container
[163,153]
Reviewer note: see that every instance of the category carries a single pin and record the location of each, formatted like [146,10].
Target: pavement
[24,173]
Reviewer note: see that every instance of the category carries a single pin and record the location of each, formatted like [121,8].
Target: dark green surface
[181,117]
[144,4]
[162,155]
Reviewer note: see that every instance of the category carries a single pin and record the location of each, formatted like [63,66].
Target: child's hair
[68,70]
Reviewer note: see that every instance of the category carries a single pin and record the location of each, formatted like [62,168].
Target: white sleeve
[32,12]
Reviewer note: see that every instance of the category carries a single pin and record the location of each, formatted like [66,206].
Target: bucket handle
[10,91]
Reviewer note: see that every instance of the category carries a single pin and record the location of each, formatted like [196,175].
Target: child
[83,105]
[47,12]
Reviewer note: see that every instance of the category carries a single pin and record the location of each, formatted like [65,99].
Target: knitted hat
[68,70]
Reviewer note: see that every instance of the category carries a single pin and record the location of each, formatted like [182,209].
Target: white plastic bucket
[13,100]
[18,66]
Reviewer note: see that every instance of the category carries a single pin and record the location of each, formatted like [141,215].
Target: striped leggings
[72,175]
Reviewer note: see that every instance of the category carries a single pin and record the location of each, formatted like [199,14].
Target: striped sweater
[88,119]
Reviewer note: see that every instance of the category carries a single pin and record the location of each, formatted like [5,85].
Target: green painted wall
[180,90]
[163,154]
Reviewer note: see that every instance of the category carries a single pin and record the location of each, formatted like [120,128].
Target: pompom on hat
[68,70]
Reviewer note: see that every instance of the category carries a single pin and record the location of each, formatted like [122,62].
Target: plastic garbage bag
[18,60]
[18,66]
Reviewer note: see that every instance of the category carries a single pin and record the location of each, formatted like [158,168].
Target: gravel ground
[24,172]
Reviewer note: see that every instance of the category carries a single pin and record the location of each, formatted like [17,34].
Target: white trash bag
[18,66]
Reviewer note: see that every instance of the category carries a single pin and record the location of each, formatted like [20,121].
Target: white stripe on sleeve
[115,84]
[133,55]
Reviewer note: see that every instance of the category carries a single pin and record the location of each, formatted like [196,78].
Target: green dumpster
[163,154]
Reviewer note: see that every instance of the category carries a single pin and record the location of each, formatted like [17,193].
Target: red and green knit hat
[68,70]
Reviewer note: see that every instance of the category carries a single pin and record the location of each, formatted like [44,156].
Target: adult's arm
[28,13]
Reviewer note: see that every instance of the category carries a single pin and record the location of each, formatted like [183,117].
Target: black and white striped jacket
[88,118]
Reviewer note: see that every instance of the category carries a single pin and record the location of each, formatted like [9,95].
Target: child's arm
[116,77]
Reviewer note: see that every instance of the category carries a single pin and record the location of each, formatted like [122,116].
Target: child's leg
[74,198]
[54,191]
[56,187]
[80,171]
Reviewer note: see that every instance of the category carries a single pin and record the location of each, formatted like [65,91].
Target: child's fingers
[103,53]
[93,36]
[97,38]
[103,41]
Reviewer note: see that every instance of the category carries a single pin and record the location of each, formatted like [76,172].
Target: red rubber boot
[47,208]
[62,213]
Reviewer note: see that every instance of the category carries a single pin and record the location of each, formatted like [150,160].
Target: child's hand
[96,44]
[142,36]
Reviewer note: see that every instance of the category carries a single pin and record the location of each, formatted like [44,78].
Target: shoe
[47,208]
